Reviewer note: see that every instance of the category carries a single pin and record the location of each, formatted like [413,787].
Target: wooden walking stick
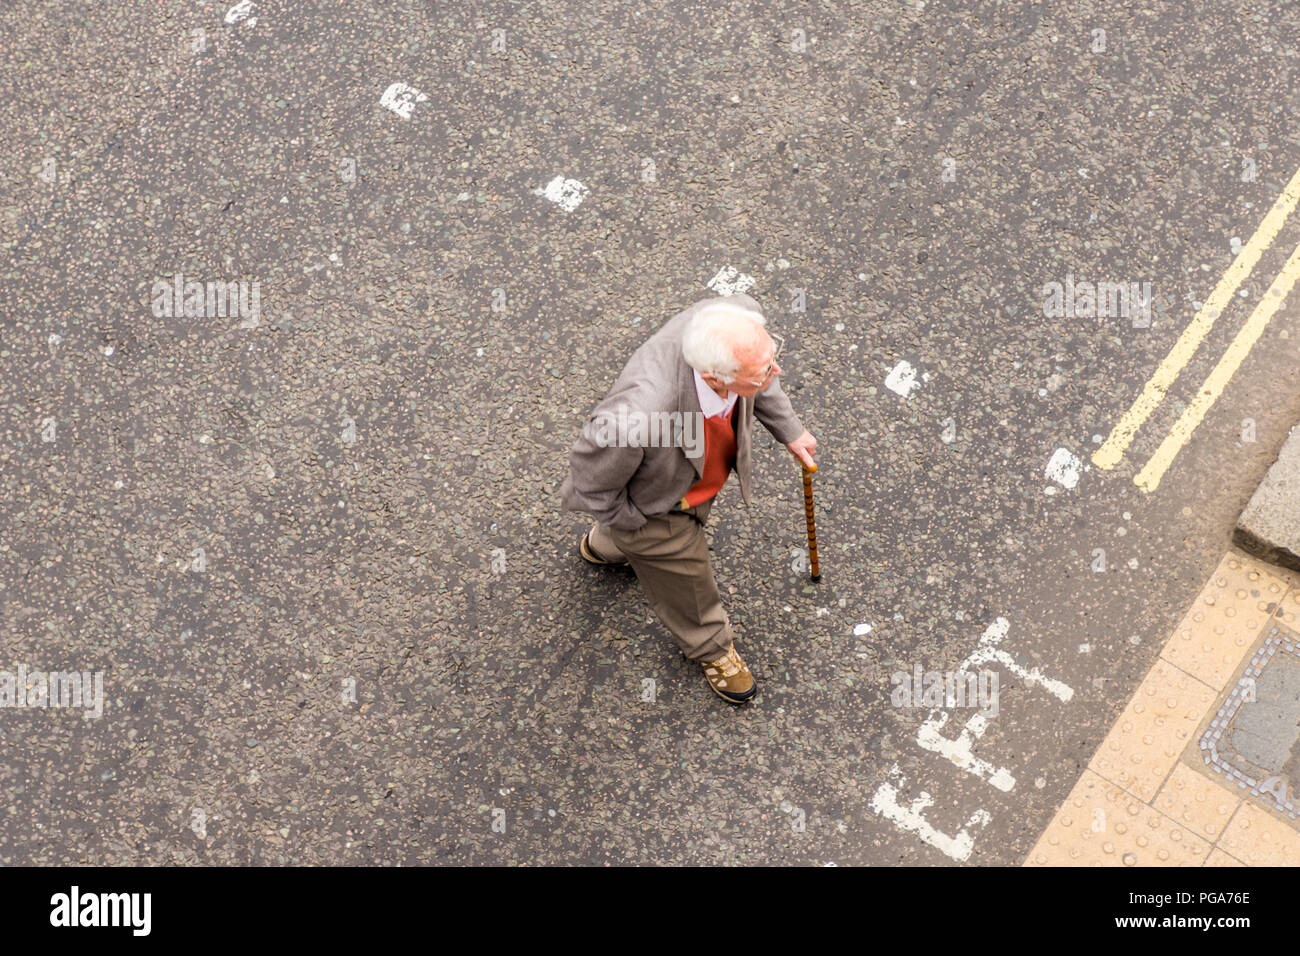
[812,521]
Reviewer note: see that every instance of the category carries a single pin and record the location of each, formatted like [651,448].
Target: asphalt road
[318,554]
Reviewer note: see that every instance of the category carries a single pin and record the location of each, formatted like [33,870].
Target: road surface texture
[317,551]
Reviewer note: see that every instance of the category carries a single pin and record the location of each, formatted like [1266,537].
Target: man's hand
[803,448]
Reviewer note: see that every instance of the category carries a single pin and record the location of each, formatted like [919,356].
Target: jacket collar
[689,403]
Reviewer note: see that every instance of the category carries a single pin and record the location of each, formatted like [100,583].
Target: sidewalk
[1203,766]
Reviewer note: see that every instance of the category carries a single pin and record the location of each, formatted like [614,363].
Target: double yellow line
[1112,451]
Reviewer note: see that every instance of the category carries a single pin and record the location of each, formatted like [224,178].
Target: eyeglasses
[777,342]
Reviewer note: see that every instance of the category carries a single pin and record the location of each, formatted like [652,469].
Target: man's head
[728,345]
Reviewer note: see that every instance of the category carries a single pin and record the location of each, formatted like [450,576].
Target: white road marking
[909,818]
[730,281]
[1063,468]
[959,751]
[988,650]
[903,379]
[401,99]
[568,194]
[241,12]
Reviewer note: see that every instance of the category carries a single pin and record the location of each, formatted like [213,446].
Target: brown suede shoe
[730,677]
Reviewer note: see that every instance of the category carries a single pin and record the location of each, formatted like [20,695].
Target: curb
[1269,527]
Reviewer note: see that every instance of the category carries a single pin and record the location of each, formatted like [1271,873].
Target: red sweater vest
[719,458]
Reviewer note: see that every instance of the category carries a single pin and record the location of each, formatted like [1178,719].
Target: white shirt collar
[710,404]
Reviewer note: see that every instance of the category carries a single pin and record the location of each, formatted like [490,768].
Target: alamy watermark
[630,428]
[75,908]
[193,299]
[54,689]
[938,689]
[1101,300]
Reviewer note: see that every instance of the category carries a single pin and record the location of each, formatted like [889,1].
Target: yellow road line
[1149,477]
[1110,453]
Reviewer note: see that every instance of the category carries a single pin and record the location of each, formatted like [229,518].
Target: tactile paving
[1259,839]
[1239,600]
[1219,858]
[1153,730]
[1289,613]
[1147,772]
[1101,825]
[1196,802]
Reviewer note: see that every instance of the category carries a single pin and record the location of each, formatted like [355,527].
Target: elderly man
[661,445]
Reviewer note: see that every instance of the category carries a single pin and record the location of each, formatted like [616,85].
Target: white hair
[710,340]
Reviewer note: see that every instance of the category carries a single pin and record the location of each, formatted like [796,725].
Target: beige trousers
[670,556]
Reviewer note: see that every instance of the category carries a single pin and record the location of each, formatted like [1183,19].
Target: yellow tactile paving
[1153,730]
[1101,825]
[1219,858]
[1145,799]
[1290,616]
[1224,620]
[1196,802]
[1258,838]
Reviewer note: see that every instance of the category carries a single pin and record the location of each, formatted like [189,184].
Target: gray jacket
[620,486]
